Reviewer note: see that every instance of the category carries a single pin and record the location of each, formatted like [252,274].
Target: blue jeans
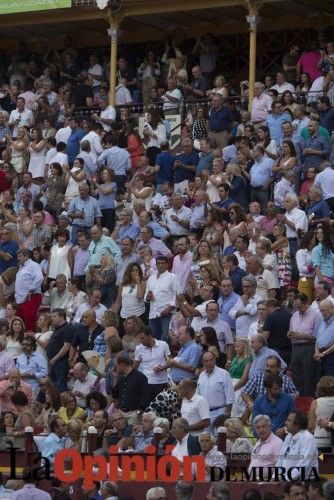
[160,327]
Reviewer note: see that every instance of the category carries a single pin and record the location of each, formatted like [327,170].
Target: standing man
[326,111]
[244,312]
[130,388]
[216,386]
[107,114]
[58,349]
[275,120]
[8,249]
[324,347]
[84,211]
[185,166]
[116,159]
[304,324]
[20,117]
[73,142]
[101,245]
[276,327]
[177,218]
[316,148]
[182,263]
[28,284]
[227,299]
[220,122]
[162,289]
[289,64]
[194,408]
[126,257]
[261,176]
[261,105]
[150,355]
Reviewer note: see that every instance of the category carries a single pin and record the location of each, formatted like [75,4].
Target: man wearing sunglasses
[31,364]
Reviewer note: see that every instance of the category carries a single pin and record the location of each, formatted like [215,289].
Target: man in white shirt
[96,72]
[295,221]
[94,139]
[213,457]
[63,133]
[150,354]
[267,281]
[216,386]
[186,445]
[20,117]
[94,303]
[84,383]
[281,84]
[177,218]
[122,93]
[299,452]
[162,289]
[325,179]
[283,187]
[60,156]
[107,114]
[244,312]
[194,408]
[172,96]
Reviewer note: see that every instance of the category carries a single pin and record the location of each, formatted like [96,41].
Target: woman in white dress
[214,180]
[138,192]
[130,299]
[61,256]
[73,178]
[37,152]
[19,150]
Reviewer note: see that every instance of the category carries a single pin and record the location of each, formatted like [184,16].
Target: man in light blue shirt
[324,346]
[275,120]
[227,300]
[116,159]
[84,211]
[189,357]
[99,246]
[261,177]
[126,228]
[32,365]
[261,354]
[55,440]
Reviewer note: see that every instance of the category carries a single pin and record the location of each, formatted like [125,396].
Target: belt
[217,408]
[311,342]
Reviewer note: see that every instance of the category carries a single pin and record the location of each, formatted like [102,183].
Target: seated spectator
[84,383]
[120,432]
[10,386]
[25,417]
[236,437]
[95,401]
[69,409]
[74,435]
[322,409]
[213,457]
[55,441]
[268,446]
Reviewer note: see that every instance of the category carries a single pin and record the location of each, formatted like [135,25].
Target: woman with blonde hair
[130,298]
[321,412]
[239,371]
[110,323]
[44,324]
[74,435]
[19,150]
[237,441]
[70,409]
[219,87]
[203,255]
[103,278]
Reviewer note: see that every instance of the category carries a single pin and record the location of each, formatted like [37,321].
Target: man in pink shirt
[261,105]
[182,263]
[268,446]
[10,386]
[308,63]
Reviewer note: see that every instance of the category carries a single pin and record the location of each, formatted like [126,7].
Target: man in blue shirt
[73,143]
[261,177]
[275,120]
[324,346]
[275,403]
[164,166]
[227,300]
[220,122]
[188,359]
[8,249]
[316,149]
[326,113]
[185,166]
[224,201]
[55,441]
[318,211]
[206,159]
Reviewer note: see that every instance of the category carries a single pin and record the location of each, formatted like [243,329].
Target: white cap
[92,429]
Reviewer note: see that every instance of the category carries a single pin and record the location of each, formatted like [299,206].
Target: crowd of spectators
[142,288]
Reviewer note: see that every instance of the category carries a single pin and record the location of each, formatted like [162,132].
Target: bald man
[12,385]
[85,334]
[84,383]
[324,347]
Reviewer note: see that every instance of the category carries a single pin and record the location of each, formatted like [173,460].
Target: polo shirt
[194,410]
[224,204]
[165,161]
[181,174]
[191,354]
[320,209]
[278,325]
[61,334]
[83,339]
[278,410]
[220,119]
[149,357]
[10,247]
